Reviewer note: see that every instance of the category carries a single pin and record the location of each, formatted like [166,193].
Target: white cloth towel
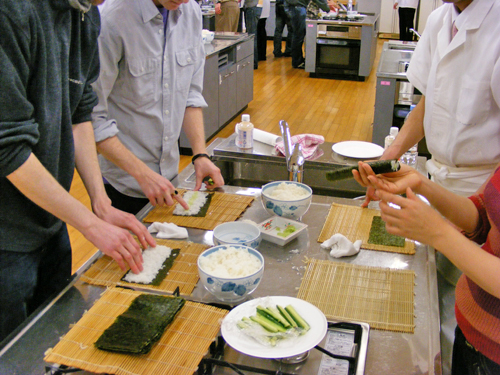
[167,230]
[340,246]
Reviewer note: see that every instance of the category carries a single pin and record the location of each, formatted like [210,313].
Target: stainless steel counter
[223,40]
[388,352]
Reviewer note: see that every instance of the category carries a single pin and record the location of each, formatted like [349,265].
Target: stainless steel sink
[259,166]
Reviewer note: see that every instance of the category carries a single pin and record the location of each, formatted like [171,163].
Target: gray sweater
[48,59]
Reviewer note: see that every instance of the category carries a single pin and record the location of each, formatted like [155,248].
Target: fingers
[181,201]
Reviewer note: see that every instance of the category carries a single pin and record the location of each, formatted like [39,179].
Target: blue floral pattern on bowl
[293,209]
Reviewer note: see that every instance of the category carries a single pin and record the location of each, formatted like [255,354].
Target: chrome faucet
[415,32]
[293,155]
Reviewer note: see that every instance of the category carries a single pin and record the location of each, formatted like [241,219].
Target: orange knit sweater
[478,312]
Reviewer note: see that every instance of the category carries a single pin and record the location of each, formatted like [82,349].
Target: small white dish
[207,36]
[358,149]
[280,230]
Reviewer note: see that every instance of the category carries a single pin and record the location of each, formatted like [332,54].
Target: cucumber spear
[379,167]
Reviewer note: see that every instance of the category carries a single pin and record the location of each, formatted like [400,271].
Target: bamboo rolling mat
[355,223]
[179,350]
[383,298]
[183,274]
[223,208]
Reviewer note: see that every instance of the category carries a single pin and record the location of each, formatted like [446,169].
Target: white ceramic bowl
[231,289]
[237,233]
[292,209]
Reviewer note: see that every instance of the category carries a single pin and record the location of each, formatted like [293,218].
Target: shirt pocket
[185,68]
[143,78]
[474,102]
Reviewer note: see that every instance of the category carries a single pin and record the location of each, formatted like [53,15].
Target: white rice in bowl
[230,263]
[287,192]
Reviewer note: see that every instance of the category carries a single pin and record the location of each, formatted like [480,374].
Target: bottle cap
[394,131]
[245,118]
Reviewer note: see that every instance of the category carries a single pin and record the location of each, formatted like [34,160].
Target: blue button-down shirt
[149,75]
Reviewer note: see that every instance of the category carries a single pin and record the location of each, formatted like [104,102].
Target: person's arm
[416,220]
[395,6]
[194,130]
[157,188]
[38,185]
[459,210]
[323,5]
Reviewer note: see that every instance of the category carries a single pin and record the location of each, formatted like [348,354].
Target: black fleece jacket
[48,59]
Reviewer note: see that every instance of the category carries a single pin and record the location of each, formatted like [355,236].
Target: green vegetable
[298,319]
[379,167]
[208,180]
[287,316]
[288,230]
[267,324]
[273,315]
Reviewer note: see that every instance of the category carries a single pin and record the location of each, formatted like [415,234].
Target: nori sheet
[162,273]
[203,210]
[379,236]
[137,329]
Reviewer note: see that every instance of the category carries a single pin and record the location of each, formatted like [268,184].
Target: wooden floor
[339,110]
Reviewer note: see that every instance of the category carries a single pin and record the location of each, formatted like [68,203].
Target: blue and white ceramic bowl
[231,289]
[291,208]
[237,233]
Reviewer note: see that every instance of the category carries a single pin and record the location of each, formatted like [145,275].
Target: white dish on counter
[358,149]
[285,348]
[278,230]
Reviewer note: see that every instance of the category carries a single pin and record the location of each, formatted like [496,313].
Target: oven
[338,49]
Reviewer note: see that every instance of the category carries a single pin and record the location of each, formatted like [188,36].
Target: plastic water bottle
[393,132]
[244,133]
[349,5]
[410,156]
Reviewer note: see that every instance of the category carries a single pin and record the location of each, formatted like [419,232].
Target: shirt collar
[472,16]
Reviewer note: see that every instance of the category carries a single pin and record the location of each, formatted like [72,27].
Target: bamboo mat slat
[183,274]
[355,223]
[223,208]
[179,351]
[383,298]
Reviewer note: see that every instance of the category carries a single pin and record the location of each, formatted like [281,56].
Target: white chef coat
[407,3]
[460,79]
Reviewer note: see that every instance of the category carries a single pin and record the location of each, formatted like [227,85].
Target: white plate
[285,348]
[358,149]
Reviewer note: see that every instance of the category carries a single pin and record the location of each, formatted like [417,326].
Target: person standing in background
[261,29]
[227,15]
[406,11]
[282,20]
[149,89]
[296,10]
[48,60]
[252,17]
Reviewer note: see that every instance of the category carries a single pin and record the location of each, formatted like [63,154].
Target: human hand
[395,182]
[414,219]
[159,190]
[205,168]
[333,5]
[218,9]
[124,220]
[115,242]
[395,6]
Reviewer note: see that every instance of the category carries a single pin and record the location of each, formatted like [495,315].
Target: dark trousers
[124,202]
[282,20]
[252,16]
[468,361]
[406,16]
[297,16]
[28,279]
[262,39]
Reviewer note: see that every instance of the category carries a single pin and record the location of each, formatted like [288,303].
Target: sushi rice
[195,200]
[153,259]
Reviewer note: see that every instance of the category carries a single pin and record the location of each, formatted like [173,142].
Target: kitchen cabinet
[227,83]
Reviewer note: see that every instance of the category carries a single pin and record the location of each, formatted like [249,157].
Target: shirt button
[164,58]
[166,85]
[159,31]
[166,139]
[163,160]
[167,111]
[188,59]
[142,69]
